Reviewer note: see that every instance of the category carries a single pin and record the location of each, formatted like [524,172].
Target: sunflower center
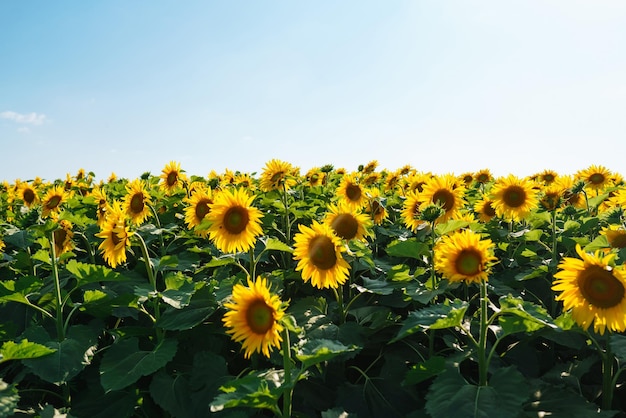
[596,178]
[376,207]
[260,317]
[236,219]
[53,202]
[482,178]
[277,177]
[353,192]
[322,252]
[345,226]
[618,241]
[202,208]
[548,178]
[444,198]
[29,196]
[600,287]
[136,203]
[514,196]
[59,240]
[115,238]
[172,178]
[468,262]
[489,210]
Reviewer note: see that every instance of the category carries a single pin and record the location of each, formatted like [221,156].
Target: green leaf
[377,287]
[20,239]
[172,394]
[123,364]
[600,242]
[70,356]
[24,350]
[9,397]
[451,396]
[179,290]
[201,305]
[410,247]
[557,401]
[167,262]
[277,245]
[91,273]
[260,390]
[320,350]
[440,316]
[400,273]
[425,370]
[618,346]
[528,311]
[450,226]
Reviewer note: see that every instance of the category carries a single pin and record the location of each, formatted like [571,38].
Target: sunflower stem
[607,377]
[152,280]
[339,296]
[158,223]
[482,342]
[252,264]
[287,222]
[57,290]
[288,391]
[433,276]
[89,247]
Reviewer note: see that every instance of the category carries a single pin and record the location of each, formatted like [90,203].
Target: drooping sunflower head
[319,254]
[594,290]
[199,206]
[464,256]
[254,317]
[116,234]
[28,194]
[137,201]
[376,206]
[551,197]
[351,191]
[392,181]
[51,202]
[370,167]
[277,175]
[513,198]
[444,192]
[411,215]
[172,177]
[348,224]
[595,176]
[235,223]
[63,238]
[615,235]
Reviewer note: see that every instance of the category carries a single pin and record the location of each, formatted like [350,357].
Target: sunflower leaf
[258,390]
[9,397]
[25,349]
[411,248]
[440,316]
[321,350]
[90,273]
[277,245]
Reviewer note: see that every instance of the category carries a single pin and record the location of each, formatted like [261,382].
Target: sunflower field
[371,293]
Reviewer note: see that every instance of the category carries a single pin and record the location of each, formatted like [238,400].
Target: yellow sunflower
[595,176]
[244,180]
[513,198]
[254,317]
[2,246]
[198,207]
[275,175]
[318,251]
[347,223]
[467,179]
[369,167]
[547,176]
[101,200]
[377,209]
[444,192]
[137,201]
[51,202]
[483,176]
[615,235]
[411,211]
[235,223]
[315,177]
[415,182]
[351,191]
[392,181]
[172,177]
[370,179]
[593,290]
[570,197]
[551,196]
[114,230]
[464,257]
[28,194]
[484,209]
[63,238]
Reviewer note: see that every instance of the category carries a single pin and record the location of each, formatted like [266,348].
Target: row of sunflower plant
[326,294]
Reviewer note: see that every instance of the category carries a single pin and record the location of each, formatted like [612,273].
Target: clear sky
[445,86]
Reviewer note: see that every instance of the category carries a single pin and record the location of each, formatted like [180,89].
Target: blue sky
[445,86]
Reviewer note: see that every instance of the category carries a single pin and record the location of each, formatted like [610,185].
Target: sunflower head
[116,235]
[513,198]
[347,224]
[198,207]
[615,235]
[411,214]
[51,202]
[352,192]
[63,238]
[464,257]
[595,176]
[137,201]
[254,317]
[277,175]
[28,194]
[172,177]
[594,290]
[444,192]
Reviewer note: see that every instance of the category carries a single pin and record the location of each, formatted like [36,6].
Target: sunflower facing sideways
[318,252]
[593,290]
[464,257]
[513,198]
[137,201]
[254,317]
[51,202]
[411,214]
[275,175]
[235,223]
[116,235]
[198,207]
[347,224]
[63,238]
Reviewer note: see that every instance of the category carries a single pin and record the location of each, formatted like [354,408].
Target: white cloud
[27,118]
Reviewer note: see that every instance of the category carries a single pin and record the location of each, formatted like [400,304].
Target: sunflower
[570,195]
[615,235]
[551,197]
[464,257]
[137,201]
[235,223]
[318,251]
[370,179]
[593,290]
[244,180]
[275,175]
[484,209]
[467,179]
[112,178]
[28,194]
[391,181]
[415,182]
[352,192]
[2,246]
[377,209]
[315,176]
[443,191]
[63,238]
[114,230]
[369,167]
[483,176]
[547,176]
[254,317]
[198,207]
[172,177]
[101,200]
[51,202]
[513,198]
[596,176]
[411,212]
[347,223]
